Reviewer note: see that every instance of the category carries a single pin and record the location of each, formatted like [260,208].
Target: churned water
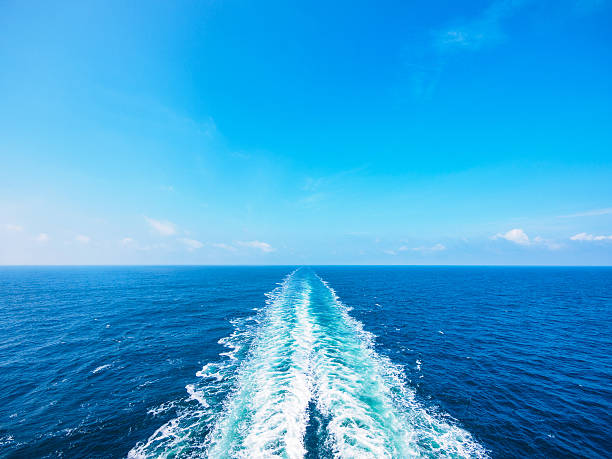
[307,362]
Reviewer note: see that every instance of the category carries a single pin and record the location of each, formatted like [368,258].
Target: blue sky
[236,132]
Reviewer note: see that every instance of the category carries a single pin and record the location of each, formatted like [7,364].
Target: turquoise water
[198,362]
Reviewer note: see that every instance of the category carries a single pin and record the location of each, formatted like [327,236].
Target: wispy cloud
[223,246]
[42,238]
[433,248]
[551,245]
[312,184]
[423,249]
[12,228]
[82,239]
[315,183]
[487,28]
[484,30]
[311,199]
[425,57]
[590,237]
[191,244]
[589,213]
[263,246]
[127,241]
[165,228]
[320,188]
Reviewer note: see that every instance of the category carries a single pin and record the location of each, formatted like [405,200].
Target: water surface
[461,361]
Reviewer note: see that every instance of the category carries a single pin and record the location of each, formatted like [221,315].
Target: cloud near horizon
[422,249]
[191,244]
[434,248]
[519,236]
[223,246]
[263,246]
[590,237]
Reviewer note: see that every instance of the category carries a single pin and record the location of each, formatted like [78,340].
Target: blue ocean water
[307,362]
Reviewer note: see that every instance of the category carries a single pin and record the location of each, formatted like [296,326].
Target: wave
[303,361]
[100,368]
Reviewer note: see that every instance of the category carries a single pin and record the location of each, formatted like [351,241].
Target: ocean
[323,361]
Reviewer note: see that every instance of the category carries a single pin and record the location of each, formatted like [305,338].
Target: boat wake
[302,379]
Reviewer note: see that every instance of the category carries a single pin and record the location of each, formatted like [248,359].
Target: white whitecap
[100,368]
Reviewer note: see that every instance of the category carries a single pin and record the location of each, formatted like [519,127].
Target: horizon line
[300,265]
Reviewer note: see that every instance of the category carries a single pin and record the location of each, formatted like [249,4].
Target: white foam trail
[372,413]
[267,414]
[305,348]
[188,435]
[351,391]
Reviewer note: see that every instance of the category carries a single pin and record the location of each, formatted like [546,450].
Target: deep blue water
[106,361]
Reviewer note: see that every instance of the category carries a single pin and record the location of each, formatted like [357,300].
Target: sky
[239,132]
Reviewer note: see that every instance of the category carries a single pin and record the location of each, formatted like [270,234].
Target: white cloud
[82,239]
[42,238]
[12,228]
[589,213]
[191,243]
[228,247]
[434,248]
[437,248]
[127,241]
[590,237]
[263,246]
[165,228]
[517,235]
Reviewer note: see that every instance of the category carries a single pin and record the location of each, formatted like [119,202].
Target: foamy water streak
[267,413]
[304,356]
[370,410]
